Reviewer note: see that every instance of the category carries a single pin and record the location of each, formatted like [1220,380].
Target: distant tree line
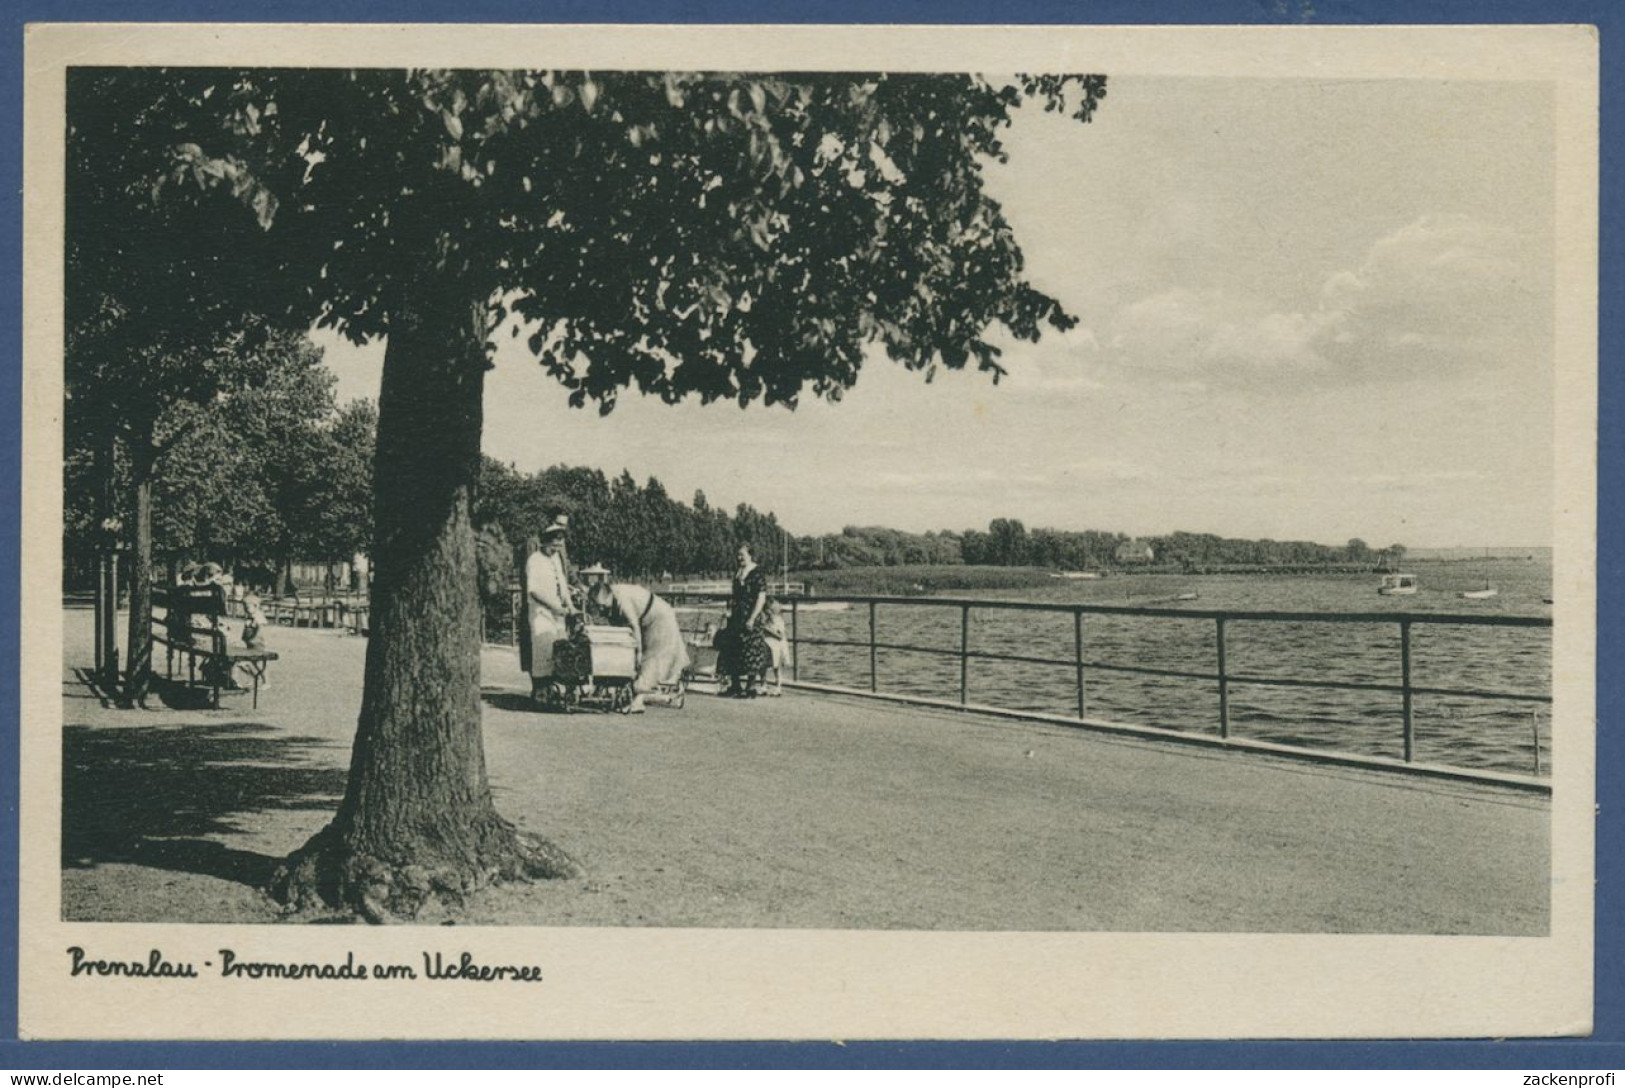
[636,531]
[1007,542]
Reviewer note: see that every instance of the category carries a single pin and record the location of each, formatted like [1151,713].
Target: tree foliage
[731,236]
[267,473]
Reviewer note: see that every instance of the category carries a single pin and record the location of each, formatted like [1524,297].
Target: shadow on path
[163,693]
[83,684]
[156,795]
[515,701]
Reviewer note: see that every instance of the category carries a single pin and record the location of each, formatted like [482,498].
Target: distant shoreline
[920,578]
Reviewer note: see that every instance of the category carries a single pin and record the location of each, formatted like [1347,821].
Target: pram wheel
[558,698]
[620,700]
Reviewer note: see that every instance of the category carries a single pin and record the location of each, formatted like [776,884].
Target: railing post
[1077,646]
[795,644]
[964,654]
[1224,684]
[874,654]
[1534,728]
[1405,687]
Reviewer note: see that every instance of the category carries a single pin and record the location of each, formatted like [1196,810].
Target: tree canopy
[729,236]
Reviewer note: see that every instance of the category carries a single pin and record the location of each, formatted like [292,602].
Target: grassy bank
[905,580]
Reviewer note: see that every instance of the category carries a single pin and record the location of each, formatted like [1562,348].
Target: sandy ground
[810,811]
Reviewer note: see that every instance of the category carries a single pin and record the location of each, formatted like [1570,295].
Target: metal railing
[1081,665]
[707,589]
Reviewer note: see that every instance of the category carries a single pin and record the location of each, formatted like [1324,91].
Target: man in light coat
[548,603]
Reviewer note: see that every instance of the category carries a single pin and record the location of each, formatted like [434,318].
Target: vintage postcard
[606,532]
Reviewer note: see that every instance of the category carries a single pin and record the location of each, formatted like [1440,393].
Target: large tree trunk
[138,646]
[417,825]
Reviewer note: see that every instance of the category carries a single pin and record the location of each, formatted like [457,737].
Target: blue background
[1606,1049]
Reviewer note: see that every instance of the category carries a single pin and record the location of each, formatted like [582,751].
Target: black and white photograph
[968,533]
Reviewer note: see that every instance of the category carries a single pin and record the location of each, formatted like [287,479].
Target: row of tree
[635,531]
[276,473]
[265,473]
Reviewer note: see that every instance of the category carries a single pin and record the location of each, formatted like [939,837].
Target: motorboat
[1399,585]
[1168,600]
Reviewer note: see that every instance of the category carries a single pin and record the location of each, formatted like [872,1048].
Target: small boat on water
[1089,574]
[1399,585]
[1168,600]
[1481,594]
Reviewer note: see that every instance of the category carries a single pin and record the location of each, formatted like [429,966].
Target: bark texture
[417,828]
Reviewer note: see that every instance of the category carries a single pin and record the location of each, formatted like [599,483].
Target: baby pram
[594,667]
[704,638]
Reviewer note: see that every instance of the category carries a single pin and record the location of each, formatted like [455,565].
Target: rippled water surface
[1469,732]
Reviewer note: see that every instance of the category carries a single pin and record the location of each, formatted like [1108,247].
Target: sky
[1308,311]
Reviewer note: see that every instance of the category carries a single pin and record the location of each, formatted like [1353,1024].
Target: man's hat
[558,527]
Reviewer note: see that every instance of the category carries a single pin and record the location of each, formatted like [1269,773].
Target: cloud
[947,480]
[1105,470]
[1212,332]
[1442,295]
[1059,363]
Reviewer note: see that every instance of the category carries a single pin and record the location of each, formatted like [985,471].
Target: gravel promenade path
[808,811]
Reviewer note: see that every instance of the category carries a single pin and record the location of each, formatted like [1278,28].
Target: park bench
[191,627]
[327,610]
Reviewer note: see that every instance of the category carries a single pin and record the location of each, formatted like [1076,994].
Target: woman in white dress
[547,604]
[662,655]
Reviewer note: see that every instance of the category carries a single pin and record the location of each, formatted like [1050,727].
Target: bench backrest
[192,600]
[191,612]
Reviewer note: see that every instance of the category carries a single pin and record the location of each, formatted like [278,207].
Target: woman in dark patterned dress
[743,655]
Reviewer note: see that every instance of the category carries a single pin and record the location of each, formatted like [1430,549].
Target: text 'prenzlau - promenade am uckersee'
[436,965]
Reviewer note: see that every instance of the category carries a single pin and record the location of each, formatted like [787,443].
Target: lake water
[1464,732]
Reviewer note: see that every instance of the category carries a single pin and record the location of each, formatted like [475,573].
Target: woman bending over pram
[662,656]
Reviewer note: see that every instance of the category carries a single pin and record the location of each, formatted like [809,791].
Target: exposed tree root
[328,878]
